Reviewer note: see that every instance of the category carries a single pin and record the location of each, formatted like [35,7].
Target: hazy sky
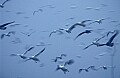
[57,14]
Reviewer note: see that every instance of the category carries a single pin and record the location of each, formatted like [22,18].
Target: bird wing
[28,50]
[88,46]
[39,52]
[85,21]
[79,35]
[11,32]
[72,27]
[2,36]
[5,2]
[51,33]
[6,24]
[111,39]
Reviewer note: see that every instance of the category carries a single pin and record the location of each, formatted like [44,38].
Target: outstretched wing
[88,46]
[5,2]
[6,24]
[28,50]
[79,35]
[85,21]
[11,32]
[40,52]
[111,39]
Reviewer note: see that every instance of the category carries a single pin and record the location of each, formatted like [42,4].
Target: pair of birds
[93,68]
[34,57]
[82,23]
[108,43]
[63,67]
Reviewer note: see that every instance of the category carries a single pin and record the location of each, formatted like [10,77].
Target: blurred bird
[87,69]
[86,31]
[28,34]
[98,21]
[109,43]
[2,5]
[41,10]
[7,34]
[3,26]
[34,58]
[23,55]
[55,31]
[59,57]
[74,26]
[63,67]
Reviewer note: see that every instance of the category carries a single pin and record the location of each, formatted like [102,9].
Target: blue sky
[53,17]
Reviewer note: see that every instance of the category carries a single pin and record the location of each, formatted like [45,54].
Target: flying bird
[34,57]
[59,57]
[23,55]
[41,10]
[74,26]
[55,31]
[86,31]
[7,34]
[99,21]
[63,68]
[109,42]
[2,5]
[4,26]
[87,69]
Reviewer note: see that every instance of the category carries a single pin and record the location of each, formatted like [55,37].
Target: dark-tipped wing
[28,50]
[40,52]
[79,35]
[5,2]
[3,25]
[72,27]
[88,46]
[111,39]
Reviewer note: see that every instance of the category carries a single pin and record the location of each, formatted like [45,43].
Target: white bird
[34,57]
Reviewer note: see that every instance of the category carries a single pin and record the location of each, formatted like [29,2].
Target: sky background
[56,14]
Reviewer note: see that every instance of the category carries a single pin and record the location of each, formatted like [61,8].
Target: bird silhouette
[59,57]
[55,31]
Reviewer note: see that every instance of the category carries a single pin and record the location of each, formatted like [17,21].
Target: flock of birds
[63,66]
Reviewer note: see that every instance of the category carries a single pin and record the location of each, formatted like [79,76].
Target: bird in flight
[23,55]
[2,5]
[28,34]
[86,31]
[75,25]
[63,67]
[41,10]
[7,34]
[99,21]
[34,57]
[3,26]
[87,69]
[55,31]
[59,57]
[108,43]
